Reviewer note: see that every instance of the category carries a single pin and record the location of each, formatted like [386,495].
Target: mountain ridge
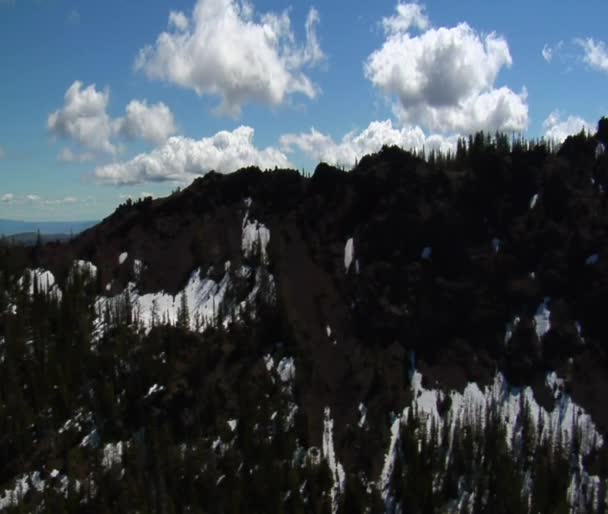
[405,282]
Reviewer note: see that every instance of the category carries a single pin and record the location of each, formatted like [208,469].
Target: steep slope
[401,315]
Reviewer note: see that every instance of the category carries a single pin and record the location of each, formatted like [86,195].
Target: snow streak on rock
[533,201]
[348,254]
[40,280]
[563,424]
[542,318]
[33,482]
[112,454]
[85,268]
[337,471]
[255,236]
[511,327]
[202,297]
[389,464]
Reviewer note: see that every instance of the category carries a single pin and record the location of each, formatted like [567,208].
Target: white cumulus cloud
[408,16]
[355,145]
[7,198]
[154,123]
[558,129]
[595,53]
[225,50]
[181,159]
[547,53]
[84,119]
[445,78]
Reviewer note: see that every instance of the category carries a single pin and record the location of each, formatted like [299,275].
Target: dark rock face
[450,309]
[445,255]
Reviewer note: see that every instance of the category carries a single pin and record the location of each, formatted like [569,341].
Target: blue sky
[104,100]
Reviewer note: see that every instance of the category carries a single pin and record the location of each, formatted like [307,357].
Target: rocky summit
[423,333]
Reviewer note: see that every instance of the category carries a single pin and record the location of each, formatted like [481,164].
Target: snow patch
[600,149]
[122,258]
[232,423]
[533,201]
[85,268]
[286,369]
[23,484]
[255,238]
[559,424]
[41,280]
[154,389]
[112,454]
[362,416]
[268,362]
[511,327]
[138,267]
[542,318]
[337,471]
[348,254]
[203,298]
[389,463]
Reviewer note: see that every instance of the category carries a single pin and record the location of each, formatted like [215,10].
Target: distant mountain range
[13,227]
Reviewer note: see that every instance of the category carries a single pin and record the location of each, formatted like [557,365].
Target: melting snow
[555,384]
[533,201]
[154,389]
[85,267]
[511,329]
[474,404]
[255,236]
[12,497]
[232,423]
[362,415]
[286,369]
[542,319]
[203,298]
[138,267]
[112,454]
[92,439]
[269,362]
[600,149]
[122,257]
[389,462]
[337,471]
[348,254]
[44,280]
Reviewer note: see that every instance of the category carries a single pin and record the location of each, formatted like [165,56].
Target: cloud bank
[355,145]
[181,159]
